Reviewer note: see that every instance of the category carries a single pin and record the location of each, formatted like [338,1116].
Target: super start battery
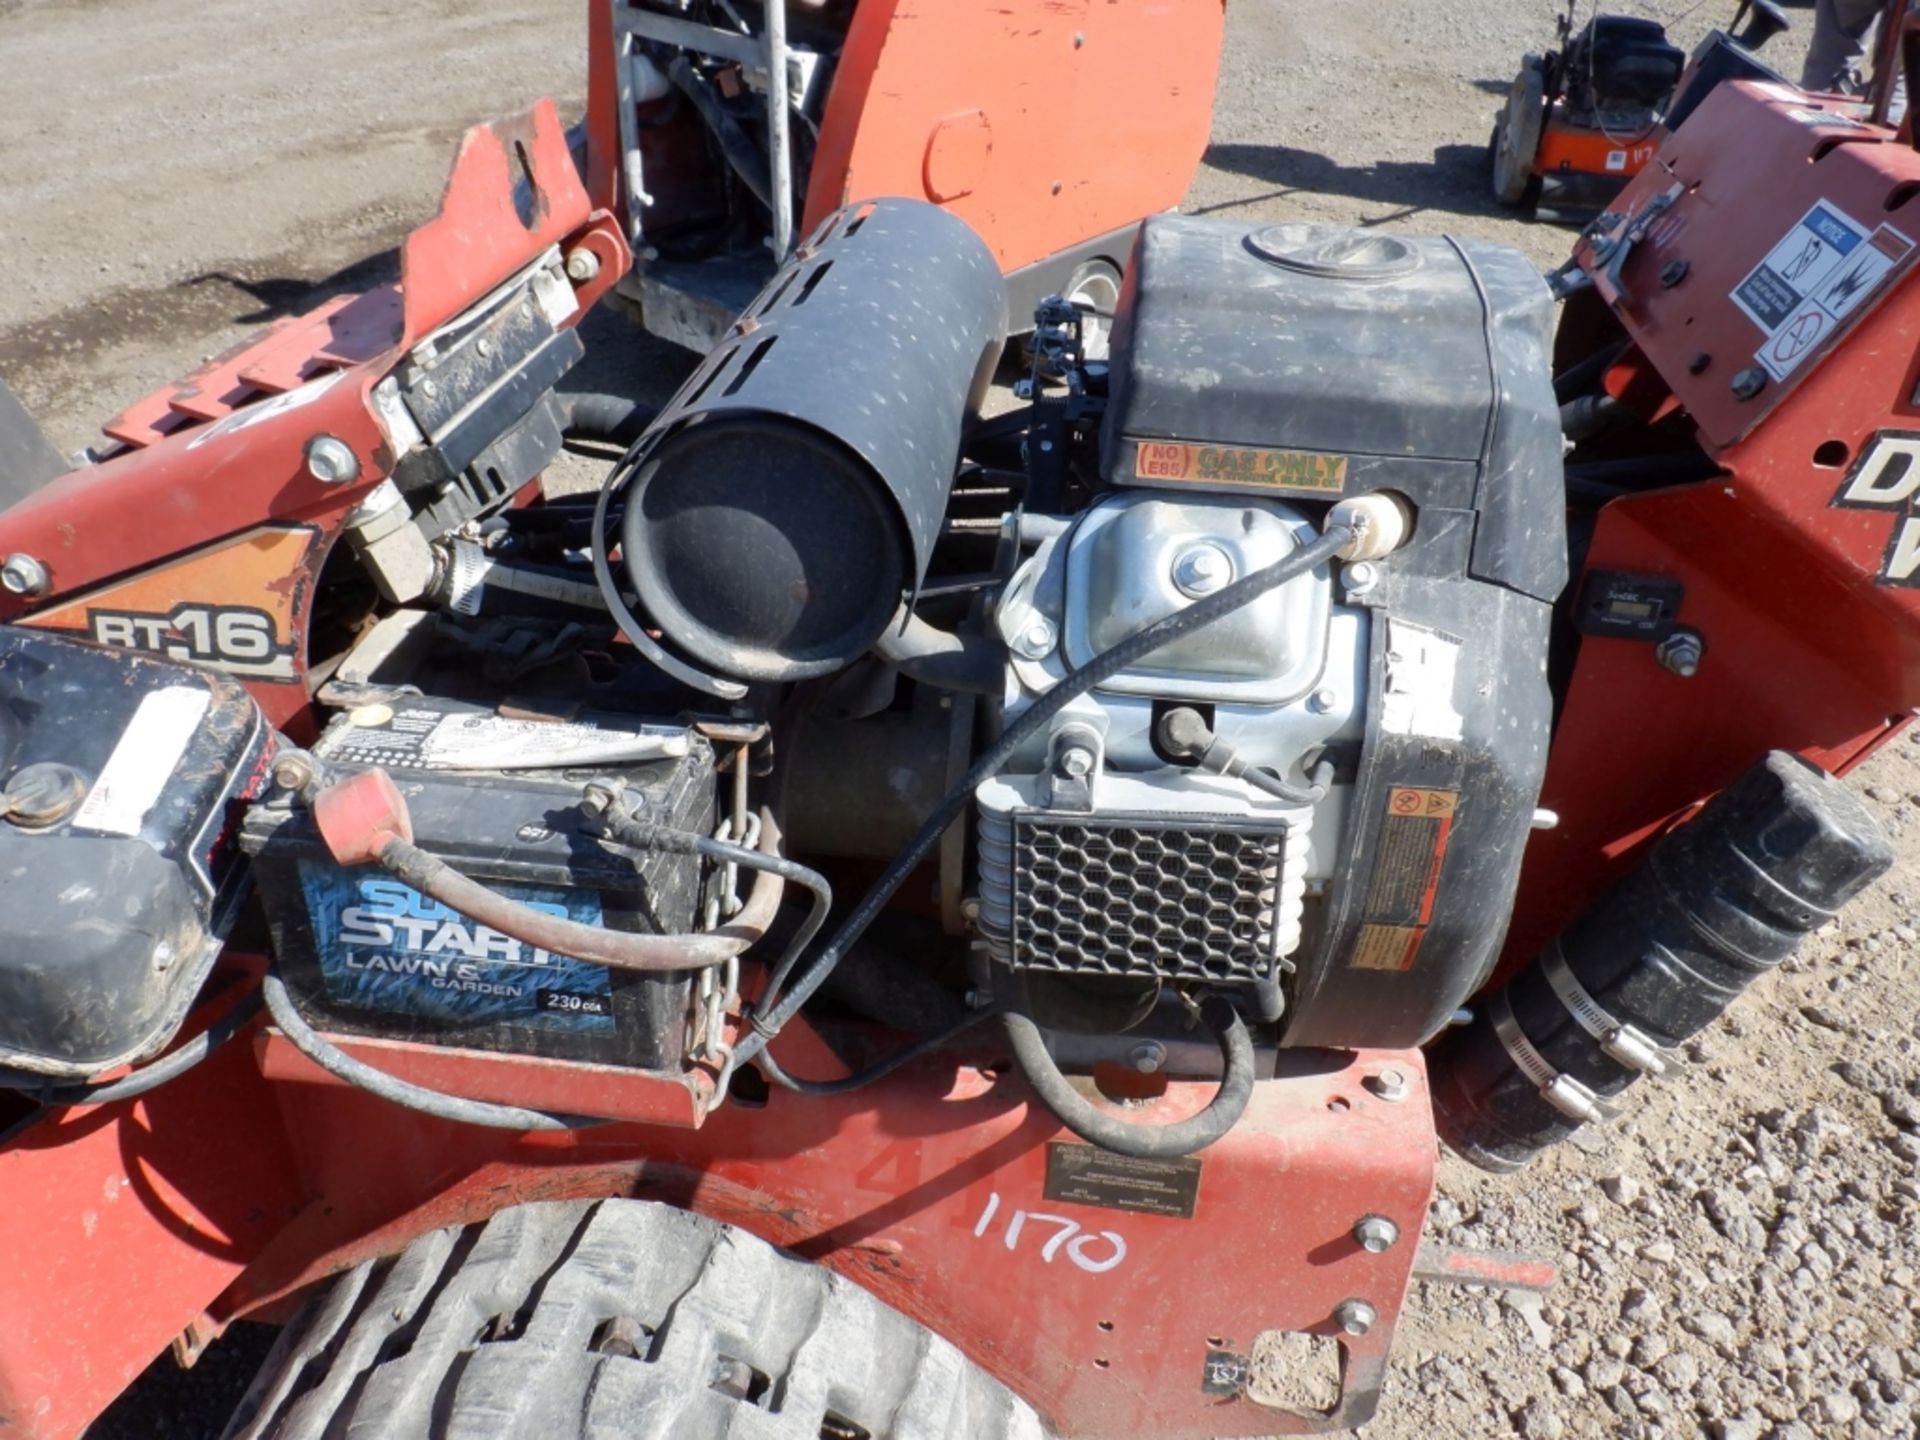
[498,799]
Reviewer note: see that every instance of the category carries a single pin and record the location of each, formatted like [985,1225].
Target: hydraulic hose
[438,1104]
[616,949]
[1123,1137]
[775,1010]
[170,1066]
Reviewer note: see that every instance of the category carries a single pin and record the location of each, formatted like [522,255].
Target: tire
[1095,283]
[1516,134]
[591,1320]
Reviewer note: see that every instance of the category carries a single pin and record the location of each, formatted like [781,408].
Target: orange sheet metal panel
[1039,122]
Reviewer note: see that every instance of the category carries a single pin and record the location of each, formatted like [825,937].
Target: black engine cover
[1310,362]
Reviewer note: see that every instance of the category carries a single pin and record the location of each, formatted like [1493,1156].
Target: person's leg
[1837,53]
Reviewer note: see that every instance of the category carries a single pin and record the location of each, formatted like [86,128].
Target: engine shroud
[1257,376]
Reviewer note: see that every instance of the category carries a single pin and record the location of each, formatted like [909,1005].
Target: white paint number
[1082,1247]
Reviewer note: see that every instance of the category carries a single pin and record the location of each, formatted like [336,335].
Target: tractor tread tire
[590,1320]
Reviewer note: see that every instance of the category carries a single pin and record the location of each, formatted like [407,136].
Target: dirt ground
[1739,1255]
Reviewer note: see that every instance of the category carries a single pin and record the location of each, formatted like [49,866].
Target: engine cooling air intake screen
[1139,895]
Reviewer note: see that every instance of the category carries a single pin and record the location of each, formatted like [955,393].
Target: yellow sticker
[1302,470]
[1386,947]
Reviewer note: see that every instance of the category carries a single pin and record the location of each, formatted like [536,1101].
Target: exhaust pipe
[1717,903]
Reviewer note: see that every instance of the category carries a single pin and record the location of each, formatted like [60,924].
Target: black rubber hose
[742,154]
[1123,1137]
[1312,793]
[775,1011]
[438,1104]
[943,659]
[148,1077]
[877,1071]
[616,419]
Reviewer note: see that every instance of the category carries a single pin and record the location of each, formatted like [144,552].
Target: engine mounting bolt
[1681,653]
[1356,1317]
[1076,762]
[1036,639]
[1749,383]
[1375,1234]
[1359,577]
[1147,1057]
[1388,1085]
[1322,701]
[582,265]
[1201,570]
[331,461]
[23,575]
[1673,272]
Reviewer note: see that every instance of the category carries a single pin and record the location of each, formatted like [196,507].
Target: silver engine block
[1100,853]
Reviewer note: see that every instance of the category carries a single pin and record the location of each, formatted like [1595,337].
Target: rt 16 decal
[1886,477]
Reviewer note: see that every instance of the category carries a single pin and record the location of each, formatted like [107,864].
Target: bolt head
[1673,272]
[293,770]
[1749,383]
[1389,1085]
[1322,701]
[331,461]
[1356,1317]
[1202,570]
[21,574]
[1360,576]
[1036,640]
[1376,1234]
[582,265]
[1148,1057]
[1076,762]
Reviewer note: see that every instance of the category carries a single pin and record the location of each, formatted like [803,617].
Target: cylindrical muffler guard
[792,491]
[1716,904]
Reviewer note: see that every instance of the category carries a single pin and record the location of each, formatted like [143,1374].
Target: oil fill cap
[1334,252]
[38,796]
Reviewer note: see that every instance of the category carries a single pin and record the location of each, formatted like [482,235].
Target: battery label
[385,947]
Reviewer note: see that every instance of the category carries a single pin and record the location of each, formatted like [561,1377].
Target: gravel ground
[1739,1255]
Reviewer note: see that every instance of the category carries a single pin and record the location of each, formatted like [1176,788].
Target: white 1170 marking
[1067,1235]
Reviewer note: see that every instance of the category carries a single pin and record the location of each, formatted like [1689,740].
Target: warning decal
[1818,274]
[1406,876]
[1298,470]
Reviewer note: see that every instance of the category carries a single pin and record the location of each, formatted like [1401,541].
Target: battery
[497,798]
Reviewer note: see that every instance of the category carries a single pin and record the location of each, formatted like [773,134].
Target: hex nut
[1389,1085]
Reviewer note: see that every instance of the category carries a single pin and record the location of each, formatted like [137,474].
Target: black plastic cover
[1421,362]
[115,910]
[792,490]
[1622,61]
[363,954]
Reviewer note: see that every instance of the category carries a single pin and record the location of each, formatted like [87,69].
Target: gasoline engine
[1203,694]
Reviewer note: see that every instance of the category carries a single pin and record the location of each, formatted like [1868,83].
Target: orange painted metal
[1582,150]
[122,1224]
[1091,114]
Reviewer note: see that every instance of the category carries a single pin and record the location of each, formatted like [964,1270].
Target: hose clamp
[1626,1046]
[1578,1102]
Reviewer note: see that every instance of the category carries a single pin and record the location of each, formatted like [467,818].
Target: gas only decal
[385,947]
[1813,279]
[1301,471]
[1886,478]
